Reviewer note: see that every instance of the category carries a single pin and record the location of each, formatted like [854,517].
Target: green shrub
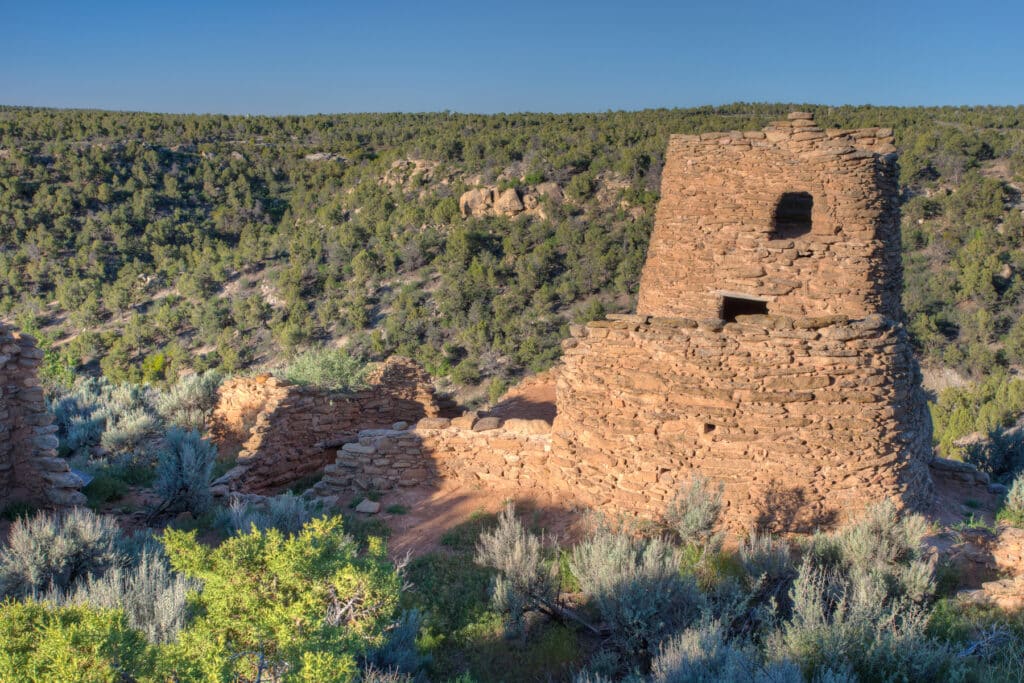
[13,511]
[326,368]
[184,468]
[57,550]
[1013,507]
[304,607]
[44,643]
[104,488]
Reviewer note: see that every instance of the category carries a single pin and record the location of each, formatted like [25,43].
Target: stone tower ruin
[768,351]
[768,355]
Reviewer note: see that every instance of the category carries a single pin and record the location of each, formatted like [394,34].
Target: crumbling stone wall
[490,452]
[286,432]
[714,225]
[30,470]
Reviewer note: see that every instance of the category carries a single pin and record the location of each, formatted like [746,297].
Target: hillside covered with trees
[139,246]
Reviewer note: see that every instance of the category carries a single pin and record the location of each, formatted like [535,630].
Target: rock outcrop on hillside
[491,201]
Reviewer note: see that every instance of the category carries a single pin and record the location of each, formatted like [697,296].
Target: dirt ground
[428,513]
[957,503]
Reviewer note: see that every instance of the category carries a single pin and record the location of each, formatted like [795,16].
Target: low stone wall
[804,421]
[286,432]
[30,470]
[475,451]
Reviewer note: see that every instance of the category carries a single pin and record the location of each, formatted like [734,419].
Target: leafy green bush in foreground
[309,607]
[41,642]
[303,607]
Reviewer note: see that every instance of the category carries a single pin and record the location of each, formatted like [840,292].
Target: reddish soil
[432,512]
[957,502]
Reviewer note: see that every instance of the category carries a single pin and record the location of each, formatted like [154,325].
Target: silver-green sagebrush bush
[184,469]
[841,622]
[859,602]
[523,583]
[153,598]
[636,587]
[704,653]
[694,511]
[188,402]
[287,513]
[327,368]
[95,411]
[57,550]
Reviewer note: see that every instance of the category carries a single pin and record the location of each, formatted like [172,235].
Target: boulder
[475,202]
[508,203]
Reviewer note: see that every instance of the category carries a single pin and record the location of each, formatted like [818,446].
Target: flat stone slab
[368,507]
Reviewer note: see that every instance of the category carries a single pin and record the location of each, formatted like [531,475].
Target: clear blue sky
[484,56]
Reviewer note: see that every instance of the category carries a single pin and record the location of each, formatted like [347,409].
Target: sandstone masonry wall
[30,470]
[286,432]
[803,420]
[485,452]
[714,223]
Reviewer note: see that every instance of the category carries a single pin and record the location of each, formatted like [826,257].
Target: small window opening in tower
[733,306]
[792,216]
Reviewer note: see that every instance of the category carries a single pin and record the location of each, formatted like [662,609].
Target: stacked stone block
[804,421]
[486,451]
[30,470]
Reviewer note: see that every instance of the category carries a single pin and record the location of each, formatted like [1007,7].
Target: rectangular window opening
[733,306]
